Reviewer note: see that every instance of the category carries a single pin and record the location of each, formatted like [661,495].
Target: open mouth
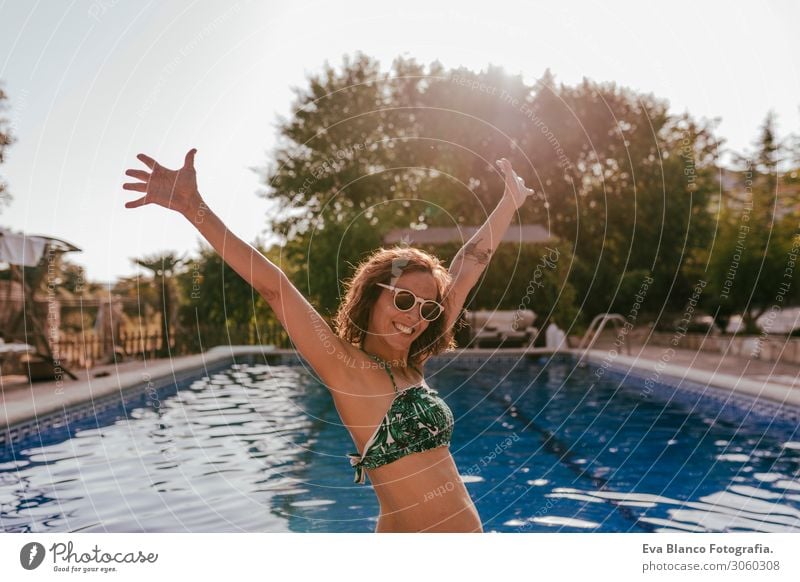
[404,328]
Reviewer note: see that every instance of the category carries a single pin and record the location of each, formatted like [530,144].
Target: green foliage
[140,301]
[409,147]
[218,307]
[327,256]
[643,180]
[752,267]
[624,183]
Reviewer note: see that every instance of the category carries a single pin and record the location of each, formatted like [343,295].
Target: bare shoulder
[355,374]
[361,390]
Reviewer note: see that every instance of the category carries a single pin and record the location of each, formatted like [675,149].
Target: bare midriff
[423,492]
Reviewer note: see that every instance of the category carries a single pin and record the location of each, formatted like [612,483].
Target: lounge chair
[502,328]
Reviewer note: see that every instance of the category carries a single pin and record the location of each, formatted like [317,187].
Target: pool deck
[22,401]
[774,381]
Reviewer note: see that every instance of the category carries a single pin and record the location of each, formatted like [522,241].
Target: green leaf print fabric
[417,420]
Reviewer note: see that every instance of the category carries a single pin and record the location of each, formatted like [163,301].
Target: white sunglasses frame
[417,301]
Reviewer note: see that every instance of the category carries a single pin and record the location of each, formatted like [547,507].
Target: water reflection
[742,508]
[260,448]
[210,458]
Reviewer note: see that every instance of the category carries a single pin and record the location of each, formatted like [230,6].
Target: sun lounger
[502,328]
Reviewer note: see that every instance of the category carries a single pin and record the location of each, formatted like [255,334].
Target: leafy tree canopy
[621,180]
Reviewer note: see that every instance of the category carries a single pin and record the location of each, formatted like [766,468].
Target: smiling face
[400,328]
[368,319]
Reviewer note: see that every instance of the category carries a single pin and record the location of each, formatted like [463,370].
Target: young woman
[399,310]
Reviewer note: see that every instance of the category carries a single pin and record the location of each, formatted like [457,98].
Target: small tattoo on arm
[472,251]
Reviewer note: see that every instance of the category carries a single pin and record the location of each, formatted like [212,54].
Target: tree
[218,307]
[749,262]
[631,189]
[621,180]
[368,151]
[6,139]
[163,267]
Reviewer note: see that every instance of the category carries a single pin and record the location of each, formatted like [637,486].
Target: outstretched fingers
[136,203]
[512,179]
[136,186]
[147,160]
[138,174]
[139,186]
[188,162]
[158,177]
[508,171]
[505,166]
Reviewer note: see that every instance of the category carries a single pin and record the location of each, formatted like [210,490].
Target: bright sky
[94,82]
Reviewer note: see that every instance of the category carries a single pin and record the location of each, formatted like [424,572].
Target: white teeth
[404,329]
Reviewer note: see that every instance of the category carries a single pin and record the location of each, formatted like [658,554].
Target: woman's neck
[395,358]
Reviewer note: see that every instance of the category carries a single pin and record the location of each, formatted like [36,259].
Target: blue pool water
[542,448]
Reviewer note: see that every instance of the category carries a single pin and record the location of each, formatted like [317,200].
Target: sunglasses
[405,300]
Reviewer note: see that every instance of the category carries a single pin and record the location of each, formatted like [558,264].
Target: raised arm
[310,333]
[471,260]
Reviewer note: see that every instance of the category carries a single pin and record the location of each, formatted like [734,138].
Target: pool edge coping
[660,371]
[73,394]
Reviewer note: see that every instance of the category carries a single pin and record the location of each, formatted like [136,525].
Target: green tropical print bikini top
[417,420]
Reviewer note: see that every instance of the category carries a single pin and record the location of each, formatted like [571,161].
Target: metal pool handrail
[603,318]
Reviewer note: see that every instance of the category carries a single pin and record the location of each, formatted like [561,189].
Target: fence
[88,349]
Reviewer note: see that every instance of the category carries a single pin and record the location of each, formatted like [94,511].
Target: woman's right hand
[173,189]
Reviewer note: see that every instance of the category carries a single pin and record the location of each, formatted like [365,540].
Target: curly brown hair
[386,266]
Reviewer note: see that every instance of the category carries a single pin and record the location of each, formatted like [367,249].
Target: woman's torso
[421,491]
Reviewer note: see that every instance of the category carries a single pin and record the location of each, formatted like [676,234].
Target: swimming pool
[543,446]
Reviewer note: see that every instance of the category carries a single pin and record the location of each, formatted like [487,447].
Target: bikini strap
[383,365]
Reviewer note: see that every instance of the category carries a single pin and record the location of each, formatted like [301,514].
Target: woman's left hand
[515,186]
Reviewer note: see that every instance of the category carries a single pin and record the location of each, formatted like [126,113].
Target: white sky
[94,82]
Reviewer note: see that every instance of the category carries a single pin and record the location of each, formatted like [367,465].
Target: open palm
[515,186]
[173,189]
